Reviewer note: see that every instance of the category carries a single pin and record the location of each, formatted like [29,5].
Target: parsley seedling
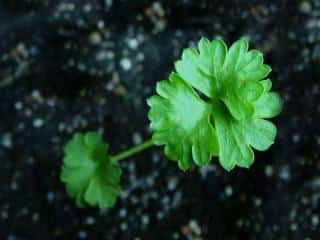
[227,123]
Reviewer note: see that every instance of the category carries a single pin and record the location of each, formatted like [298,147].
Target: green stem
[132,151]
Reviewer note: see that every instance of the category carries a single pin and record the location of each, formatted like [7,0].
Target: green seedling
[215,104]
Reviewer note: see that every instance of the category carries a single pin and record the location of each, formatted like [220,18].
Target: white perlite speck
[18,105]
[268,171]
[228,191]
[6,140]
[145,219]
[133,43]
[194,226]
[50,197]
[38,123]
[82,234]
[137,138]
[315,220]
[90,221]
[95,38]
[305,7]
[126,64]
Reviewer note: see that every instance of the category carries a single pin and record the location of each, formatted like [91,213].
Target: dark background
[77,65]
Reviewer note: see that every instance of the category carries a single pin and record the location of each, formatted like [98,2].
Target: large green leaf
[236,137]
[225,74]
[234,95]
[202,70]
[181,121]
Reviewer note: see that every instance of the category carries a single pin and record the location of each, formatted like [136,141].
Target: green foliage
[181,120]
[214,105]
[88,172]
[229,120]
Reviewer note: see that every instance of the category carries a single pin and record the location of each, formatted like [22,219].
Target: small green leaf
[181,121]
[88,173]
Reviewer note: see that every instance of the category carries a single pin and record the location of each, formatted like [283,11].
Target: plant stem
[132,151]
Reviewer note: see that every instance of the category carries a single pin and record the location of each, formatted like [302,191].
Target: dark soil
[77,65]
